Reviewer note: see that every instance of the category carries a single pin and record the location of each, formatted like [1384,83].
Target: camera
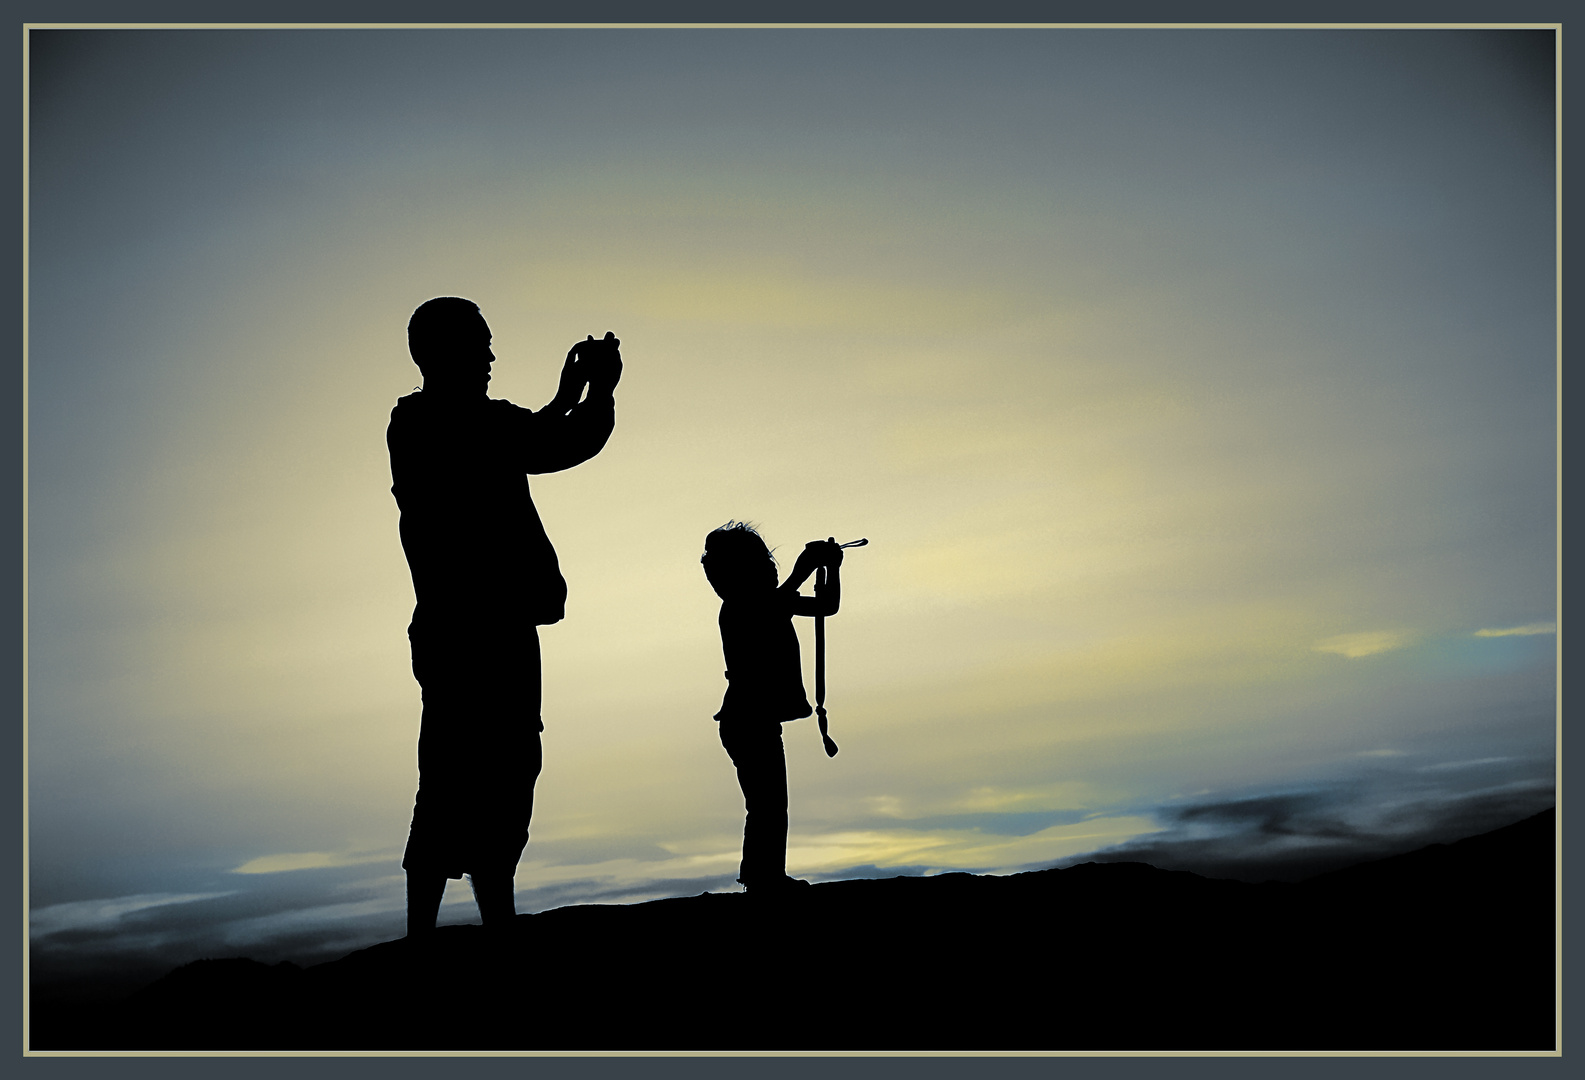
[601,360]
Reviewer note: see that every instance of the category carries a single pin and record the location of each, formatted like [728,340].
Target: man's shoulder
[415,407]
[401,414]
[408,405]
[501,408]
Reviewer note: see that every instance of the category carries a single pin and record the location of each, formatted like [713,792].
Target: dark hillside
[1450,947]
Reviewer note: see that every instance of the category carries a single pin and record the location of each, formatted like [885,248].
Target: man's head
[450,342]
[736,560]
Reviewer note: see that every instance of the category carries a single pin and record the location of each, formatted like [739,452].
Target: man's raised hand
[604,360]
[573,378]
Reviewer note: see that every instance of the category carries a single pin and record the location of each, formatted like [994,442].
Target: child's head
[736,560]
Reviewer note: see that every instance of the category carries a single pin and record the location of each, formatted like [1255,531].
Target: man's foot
[782,886]
[424,893]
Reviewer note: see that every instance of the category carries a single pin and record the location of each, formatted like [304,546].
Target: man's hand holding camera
[591,363]
[604,364]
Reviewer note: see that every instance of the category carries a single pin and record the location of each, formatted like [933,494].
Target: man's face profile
[457,357]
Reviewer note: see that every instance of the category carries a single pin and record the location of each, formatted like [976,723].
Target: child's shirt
[764,670]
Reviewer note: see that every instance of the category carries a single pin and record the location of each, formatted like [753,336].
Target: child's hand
[822,553]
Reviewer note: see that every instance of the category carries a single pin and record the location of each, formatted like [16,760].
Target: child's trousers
[755,748]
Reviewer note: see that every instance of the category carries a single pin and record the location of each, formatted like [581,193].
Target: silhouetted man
[485,576]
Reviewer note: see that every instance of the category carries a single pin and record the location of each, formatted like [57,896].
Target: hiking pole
[820,657]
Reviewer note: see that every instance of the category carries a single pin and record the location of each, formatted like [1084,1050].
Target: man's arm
[591,363]
[569,431]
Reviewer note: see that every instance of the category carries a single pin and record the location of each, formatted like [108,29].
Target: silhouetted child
[764,680]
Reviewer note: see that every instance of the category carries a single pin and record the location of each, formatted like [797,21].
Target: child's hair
[731,550]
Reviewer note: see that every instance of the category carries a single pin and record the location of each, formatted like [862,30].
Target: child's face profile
[739,569]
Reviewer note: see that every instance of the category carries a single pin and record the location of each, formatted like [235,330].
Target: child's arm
[826,599]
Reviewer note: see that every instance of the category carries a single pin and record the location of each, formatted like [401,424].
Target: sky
[1195,389]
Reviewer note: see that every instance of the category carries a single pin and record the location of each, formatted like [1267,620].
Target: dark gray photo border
[875,11]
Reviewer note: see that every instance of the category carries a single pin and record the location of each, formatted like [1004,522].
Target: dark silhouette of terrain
[1450,947]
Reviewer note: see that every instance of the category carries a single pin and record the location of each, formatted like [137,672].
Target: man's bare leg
[494,895]
[424,893]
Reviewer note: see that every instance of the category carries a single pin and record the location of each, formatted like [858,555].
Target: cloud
[956,848]
[97,914]
[1293,835]
[979,842]
[997,799]
[1476,763]
[1527,630]
[347,921]
[1368,643]
[307,860]
[113,946]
